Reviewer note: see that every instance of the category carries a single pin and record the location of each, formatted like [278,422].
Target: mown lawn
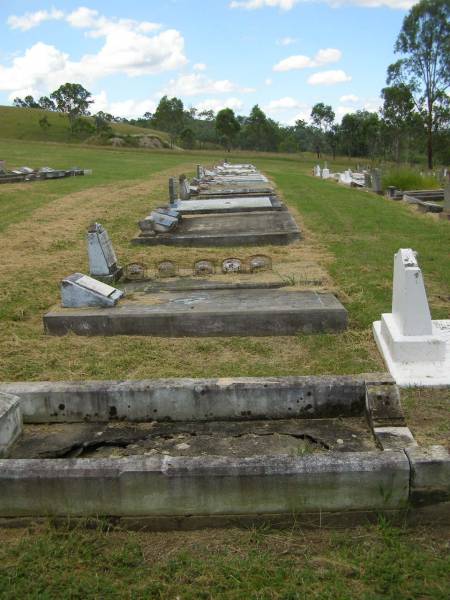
[367,563]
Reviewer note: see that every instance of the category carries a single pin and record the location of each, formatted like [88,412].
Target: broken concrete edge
[430,474]
[185,399]
[10,421]
[386,417]
[176,486]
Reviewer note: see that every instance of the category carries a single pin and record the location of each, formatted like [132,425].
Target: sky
[284,55]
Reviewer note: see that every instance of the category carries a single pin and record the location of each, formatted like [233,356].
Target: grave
[415,348]
[225,312]
[376,181]
[10,422]
[102,258]
[183,453]
[446,208]
[220,230]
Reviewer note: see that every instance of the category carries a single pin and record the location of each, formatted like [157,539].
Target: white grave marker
[102,258]
[415,348]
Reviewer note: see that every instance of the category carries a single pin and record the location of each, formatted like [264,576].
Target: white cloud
[215,104]
[289,4]
[282,104]
[253,4]
[124,108]
[199,67]
[329,77]
[268,81]
[287,41]
[195,84]
[349,98]
[30,20]
[299,61]
[129,47]
[84,18]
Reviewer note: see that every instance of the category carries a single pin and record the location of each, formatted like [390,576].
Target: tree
[259,132]
[46,103]
[27,102]
[322,116]
[169,116]
[72,99]
[187,137]
[44,123]
[227,127]
[397,113]
[424,42]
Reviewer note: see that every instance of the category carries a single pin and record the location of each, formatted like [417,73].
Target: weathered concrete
[10,422]
[204,485]
[228,205]
[430,474]
[241,229]
[194,399]
[207,313]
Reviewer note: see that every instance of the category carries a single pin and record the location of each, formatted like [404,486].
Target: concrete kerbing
[430,474]
[140,486]
[194,399]
[10,421]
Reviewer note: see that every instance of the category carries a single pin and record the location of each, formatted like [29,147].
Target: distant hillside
[23,124]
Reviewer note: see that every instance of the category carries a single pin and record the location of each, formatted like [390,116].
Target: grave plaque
[167,268]
[259,262]
[232,265]
[80,290]
[204,267]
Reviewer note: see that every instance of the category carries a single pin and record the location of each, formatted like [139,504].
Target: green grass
[17,202]
[368,563]
[23,124]
[404,178]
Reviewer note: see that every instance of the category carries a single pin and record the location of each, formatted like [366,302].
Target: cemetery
[219,451]
[43,173]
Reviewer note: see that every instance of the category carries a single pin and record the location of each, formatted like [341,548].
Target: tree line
[413,122]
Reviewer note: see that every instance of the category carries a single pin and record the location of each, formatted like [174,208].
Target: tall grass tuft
[405,178]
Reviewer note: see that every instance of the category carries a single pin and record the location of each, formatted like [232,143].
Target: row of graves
[187,453]
[433,201]
[43,173]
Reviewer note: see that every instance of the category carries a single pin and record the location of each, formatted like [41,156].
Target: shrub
[409,179]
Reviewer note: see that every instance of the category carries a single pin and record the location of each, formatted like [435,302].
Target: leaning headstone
[317,171]
[415,348]
[326,173]
[78,291]
[172,191]
[376,181]
[10,422]
[184,188]
[102,258]
[163,223]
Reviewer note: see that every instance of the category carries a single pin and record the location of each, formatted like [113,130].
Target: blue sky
[284,55]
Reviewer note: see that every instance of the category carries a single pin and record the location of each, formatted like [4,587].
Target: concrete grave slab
[242,229]
[207,313]
[228,205]
[80,290]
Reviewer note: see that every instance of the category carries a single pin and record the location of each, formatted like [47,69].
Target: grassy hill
[23,124]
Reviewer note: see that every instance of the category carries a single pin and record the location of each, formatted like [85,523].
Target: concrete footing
[208,313]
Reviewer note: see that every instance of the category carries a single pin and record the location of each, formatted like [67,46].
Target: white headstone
[326,173]
[102,258]
[317,171]
[415,348]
